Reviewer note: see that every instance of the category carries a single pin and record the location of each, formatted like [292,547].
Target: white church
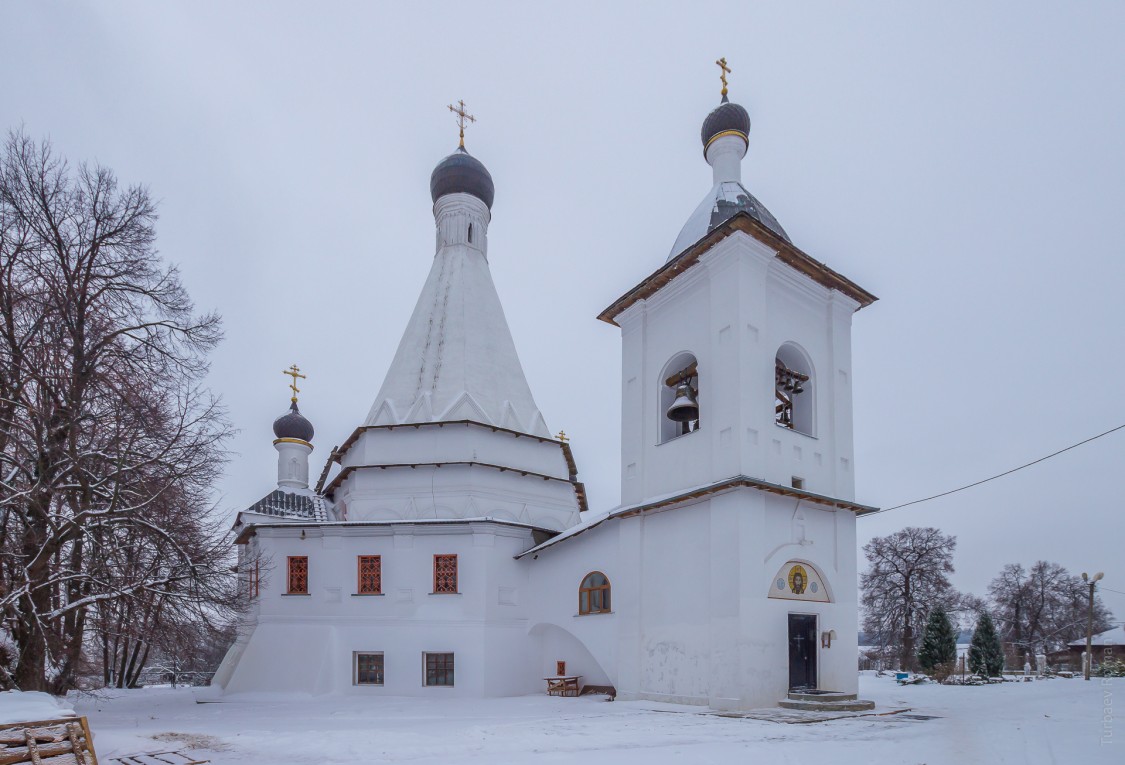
[448,549]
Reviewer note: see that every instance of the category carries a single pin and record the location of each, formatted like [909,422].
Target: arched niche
[794,389]
[681,368]
[799,580]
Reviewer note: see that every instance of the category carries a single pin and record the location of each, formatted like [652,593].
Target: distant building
[448,549]
[1105,645]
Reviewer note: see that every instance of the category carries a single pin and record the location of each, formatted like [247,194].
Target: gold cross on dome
[562,436]
[294,372]
[462,115]
[722,64]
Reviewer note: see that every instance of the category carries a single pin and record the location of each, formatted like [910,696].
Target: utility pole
[1092,581]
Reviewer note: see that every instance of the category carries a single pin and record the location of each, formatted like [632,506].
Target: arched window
[679,397]
[470,233]
[593,596]
[794,397]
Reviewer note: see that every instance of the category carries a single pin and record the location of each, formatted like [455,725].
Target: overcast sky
[964,162]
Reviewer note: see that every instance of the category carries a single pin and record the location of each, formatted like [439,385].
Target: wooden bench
[48,742]
[563,685]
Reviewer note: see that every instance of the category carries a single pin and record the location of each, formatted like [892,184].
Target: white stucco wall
[304,643]
[555,576]
[480,472]
[692,621]
[733,311]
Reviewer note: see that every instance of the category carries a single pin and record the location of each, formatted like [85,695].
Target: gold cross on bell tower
[462,115]
[294,372]
[725,70]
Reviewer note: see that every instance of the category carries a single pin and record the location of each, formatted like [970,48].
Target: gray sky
[965,162]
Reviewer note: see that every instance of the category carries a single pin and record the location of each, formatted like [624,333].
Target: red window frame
[298,570]
[445,575]
[369,575]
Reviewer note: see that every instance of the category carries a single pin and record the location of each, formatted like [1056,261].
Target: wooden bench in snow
[563,685]
[47,742]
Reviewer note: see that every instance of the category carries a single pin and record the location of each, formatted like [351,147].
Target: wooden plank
[40,723]
[64,741]
[90,755]
[34,751]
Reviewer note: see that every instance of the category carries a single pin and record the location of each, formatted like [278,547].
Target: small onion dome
[463,173]
[293,424]
[725,118]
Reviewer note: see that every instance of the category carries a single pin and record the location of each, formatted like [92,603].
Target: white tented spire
[456,359]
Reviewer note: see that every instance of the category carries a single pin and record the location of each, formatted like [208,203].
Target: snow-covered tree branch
[108,443]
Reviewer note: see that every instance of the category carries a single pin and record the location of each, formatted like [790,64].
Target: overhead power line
[1001,475]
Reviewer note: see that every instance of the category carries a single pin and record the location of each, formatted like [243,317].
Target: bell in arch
[685,408]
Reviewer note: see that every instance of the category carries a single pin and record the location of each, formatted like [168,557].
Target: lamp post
[1092,581]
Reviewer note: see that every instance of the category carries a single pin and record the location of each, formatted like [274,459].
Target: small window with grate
[370,575]
[439,669]
[445,574]
[298,575]
[367,668]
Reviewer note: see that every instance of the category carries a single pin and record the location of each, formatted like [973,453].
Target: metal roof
[286,504]
[463,173]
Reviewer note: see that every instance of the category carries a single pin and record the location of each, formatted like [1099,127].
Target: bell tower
[736,353]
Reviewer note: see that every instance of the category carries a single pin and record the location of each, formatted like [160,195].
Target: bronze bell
[685,408]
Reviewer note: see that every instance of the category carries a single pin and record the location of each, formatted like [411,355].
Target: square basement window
[439,669]
[368,668]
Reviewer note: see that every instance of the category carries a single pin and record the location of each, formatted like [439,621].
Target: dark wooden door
[802,651]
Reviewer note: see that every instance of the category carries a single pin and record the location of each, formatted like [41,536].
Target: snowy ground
[1053,721]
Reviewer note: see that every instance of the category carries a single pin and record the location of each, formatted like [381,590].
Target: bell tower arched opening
[678,407]
[794,390]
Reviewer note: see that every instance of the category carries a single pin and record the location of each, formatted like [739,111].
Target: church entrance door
[802,651]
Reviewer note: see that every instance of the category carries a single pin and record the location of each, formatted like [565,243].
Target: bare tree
[103,426]
[1041,609]
[906,578]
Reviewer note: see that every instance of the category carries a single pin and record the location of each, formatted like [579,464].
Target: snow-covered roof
[721,203]
[1115,636]
[456,359]
[745,222]
[300,505]
[686,495]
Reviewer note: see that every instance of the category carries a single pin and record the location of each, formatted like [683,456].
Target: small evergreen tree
[986,655]
[939,645]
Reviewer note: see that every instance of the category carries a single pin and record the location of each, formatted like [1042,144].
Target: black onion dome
[293,424]
[726,116]
[463,173]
